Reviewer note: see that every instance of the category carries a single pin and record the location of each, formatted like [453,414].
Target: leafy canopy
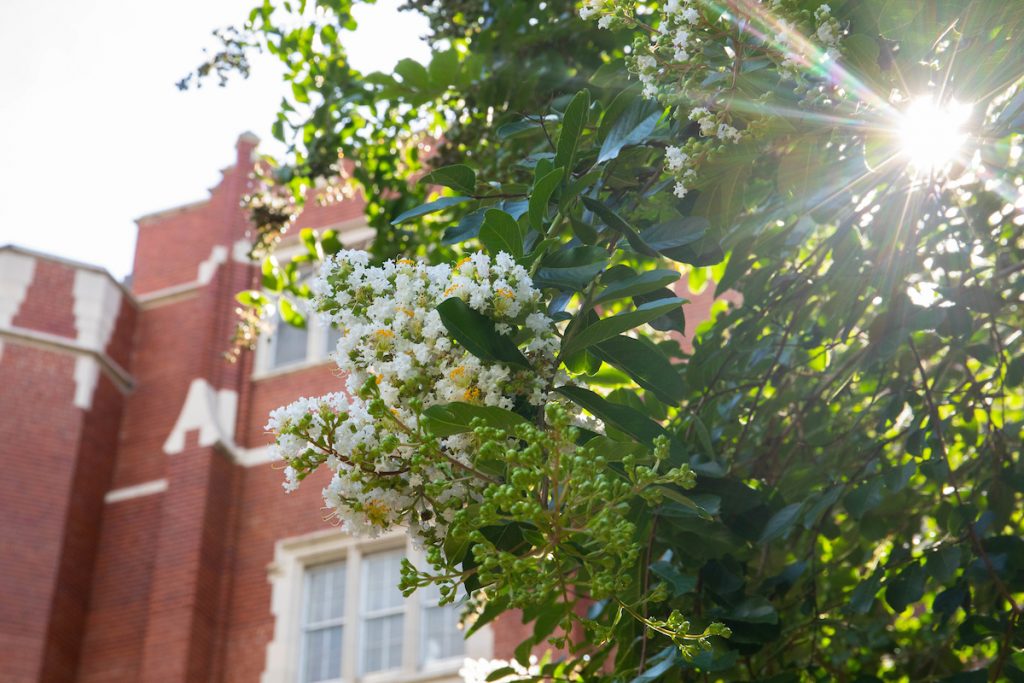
[855,424]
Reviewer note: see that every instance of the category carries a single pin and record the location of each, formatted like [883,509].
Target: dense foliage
[854,426]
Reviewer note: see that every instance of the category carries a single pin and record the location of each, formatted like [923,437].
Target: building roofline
[164,213]
[72,263]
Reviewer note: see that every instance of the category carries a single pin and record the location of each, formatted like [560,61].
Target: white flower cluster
[801,56]
[479,670]
[399,360]
[592,8]
[674,59]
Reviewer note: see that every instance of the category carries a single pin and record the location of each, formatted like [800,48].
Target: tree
[829,487]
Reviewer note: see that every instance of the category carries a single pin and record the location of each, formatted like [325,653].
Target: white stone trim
[97,304]
[210,411]
[16,273]
[286,573]
[52,342]
[253,457]
[148,488]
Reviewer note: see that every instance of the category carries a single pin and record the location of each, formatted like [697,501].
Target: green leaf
[251,298]
[619,225]
[289,314]
[272,278]
[330,243]
[907,588]
[864,498]
[459,177]
[475,331]
[625,419]
[573,121]
[943,563]
[573,268]
[632,126]
[541,195]
[414,75]
[683,500]
[641,283]
[1015,371]
[799,172]
[444,68]
[863,595]
[308,238]
[455,418]
[606,328]
[671,234]
[679,583]
[754,610]
[704,436]
[674,320]
[645,364]
[660,664]
[500,232]
[430,207]
[705,251]
[780,523]
[467,228]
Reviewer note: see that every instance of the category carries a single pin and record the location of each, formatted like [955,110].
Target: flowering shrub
[398,361]
[477,458]
[833,476]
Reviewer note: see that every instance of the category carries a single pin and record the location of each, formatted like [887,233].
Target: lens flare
[931,134]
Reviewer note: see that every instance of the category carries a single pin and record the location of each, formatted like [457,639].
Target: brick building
[145,534]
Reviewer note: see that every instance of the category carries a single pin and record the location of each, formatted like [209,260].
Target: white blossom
[394,340]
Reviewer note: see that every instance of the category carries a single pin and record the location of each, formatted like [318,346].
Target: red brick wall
[37,445]
[180,590]
[58,460]
[118,611]
[90,473]
[48,304]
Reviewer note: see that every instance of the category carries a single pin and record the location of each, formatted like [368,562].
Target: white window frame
[354,234]
[287,578]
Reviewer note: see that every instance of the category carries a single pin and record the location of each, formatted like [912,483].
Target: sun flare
[932,134]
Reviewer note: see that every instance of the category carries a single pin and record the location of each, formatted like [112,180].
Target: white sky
[93,133]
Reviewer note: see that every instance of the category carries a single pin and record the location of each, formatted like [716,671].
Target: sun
[932,134]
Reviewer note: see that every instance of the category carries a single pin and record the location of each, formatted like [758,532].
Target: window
[290,344]
[342,619]
[290,347]
[439,640]
[323,622]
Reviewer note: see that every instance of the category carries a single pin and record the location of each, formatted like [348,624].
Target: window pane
[382,643]
[323,609]
[322,655]
[325,593]
[383,606]
[333,335]
[289,344]
[442,638]
[381,574]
